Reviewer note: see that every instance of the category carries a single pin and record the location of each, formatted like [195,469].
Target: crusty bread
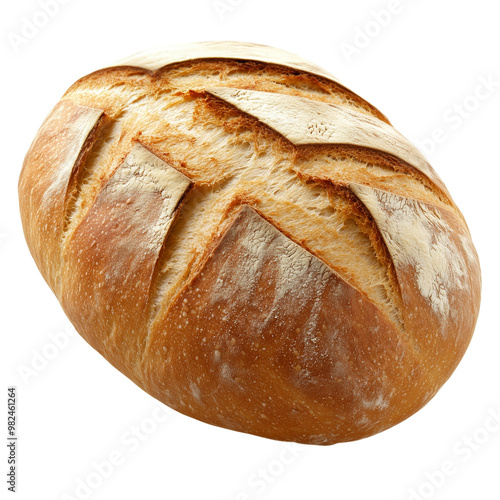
[250,242]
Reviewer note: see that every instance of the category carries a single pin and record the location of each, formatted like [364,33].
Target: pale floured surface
[135,208]
[306,122]
[84,120]
[153,60]
[297,269]
[146,172]
[417,236]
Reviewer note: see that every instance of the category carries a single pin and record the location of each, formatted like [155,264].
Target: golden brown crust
[49,174]
[118,245]
[294,349]
[436,265]
[251,243]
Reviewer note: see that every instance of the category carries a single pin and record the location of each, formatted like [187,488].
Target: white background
[418,66]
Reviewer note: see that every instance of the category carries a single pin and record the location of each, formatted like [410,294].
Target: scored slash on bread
[251,242]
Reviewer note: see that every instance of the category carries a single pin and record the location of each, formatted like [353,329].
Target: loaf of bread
[250,242]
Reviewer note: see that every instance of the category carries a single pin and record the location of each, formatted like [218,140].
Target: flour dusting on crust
[417,236]
[145,172]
